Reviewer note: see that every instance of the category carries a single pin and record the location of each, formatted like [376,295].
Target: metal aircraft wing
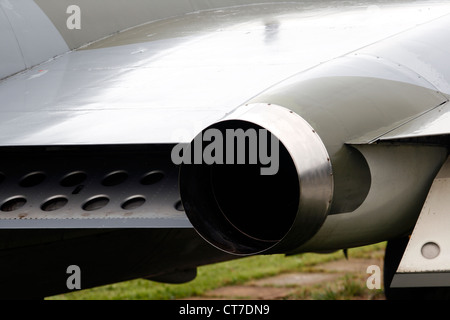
[95,96]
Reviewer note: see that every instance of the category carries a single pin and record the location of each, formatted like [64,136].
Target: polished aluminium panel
[214,62]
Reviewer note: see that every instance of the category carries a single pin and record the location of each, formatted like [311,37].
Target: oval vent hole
[32,179]
[96,203]
[13,204]
[114,178]
[54,204]
[152,178]
[73,179]
[133,203]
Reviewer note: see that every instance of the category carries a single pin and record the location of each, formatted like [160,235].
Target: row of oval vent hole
[93,204]
[75,178]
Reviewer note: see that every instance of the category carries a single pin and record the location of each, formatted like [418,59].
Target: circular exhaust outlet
[257,182]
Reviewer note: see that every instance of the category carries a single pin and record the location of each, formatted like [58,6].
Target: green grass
[347,288]
[215,276]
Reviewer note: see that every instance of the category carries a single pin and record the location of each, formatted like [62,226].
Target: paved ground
[342,279]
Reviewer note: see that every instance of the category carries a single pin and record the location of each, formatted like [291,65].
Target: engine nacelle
[246,204]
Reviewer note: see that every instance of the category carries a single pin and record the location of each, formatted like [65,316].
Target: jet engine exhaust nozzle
[259,181]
